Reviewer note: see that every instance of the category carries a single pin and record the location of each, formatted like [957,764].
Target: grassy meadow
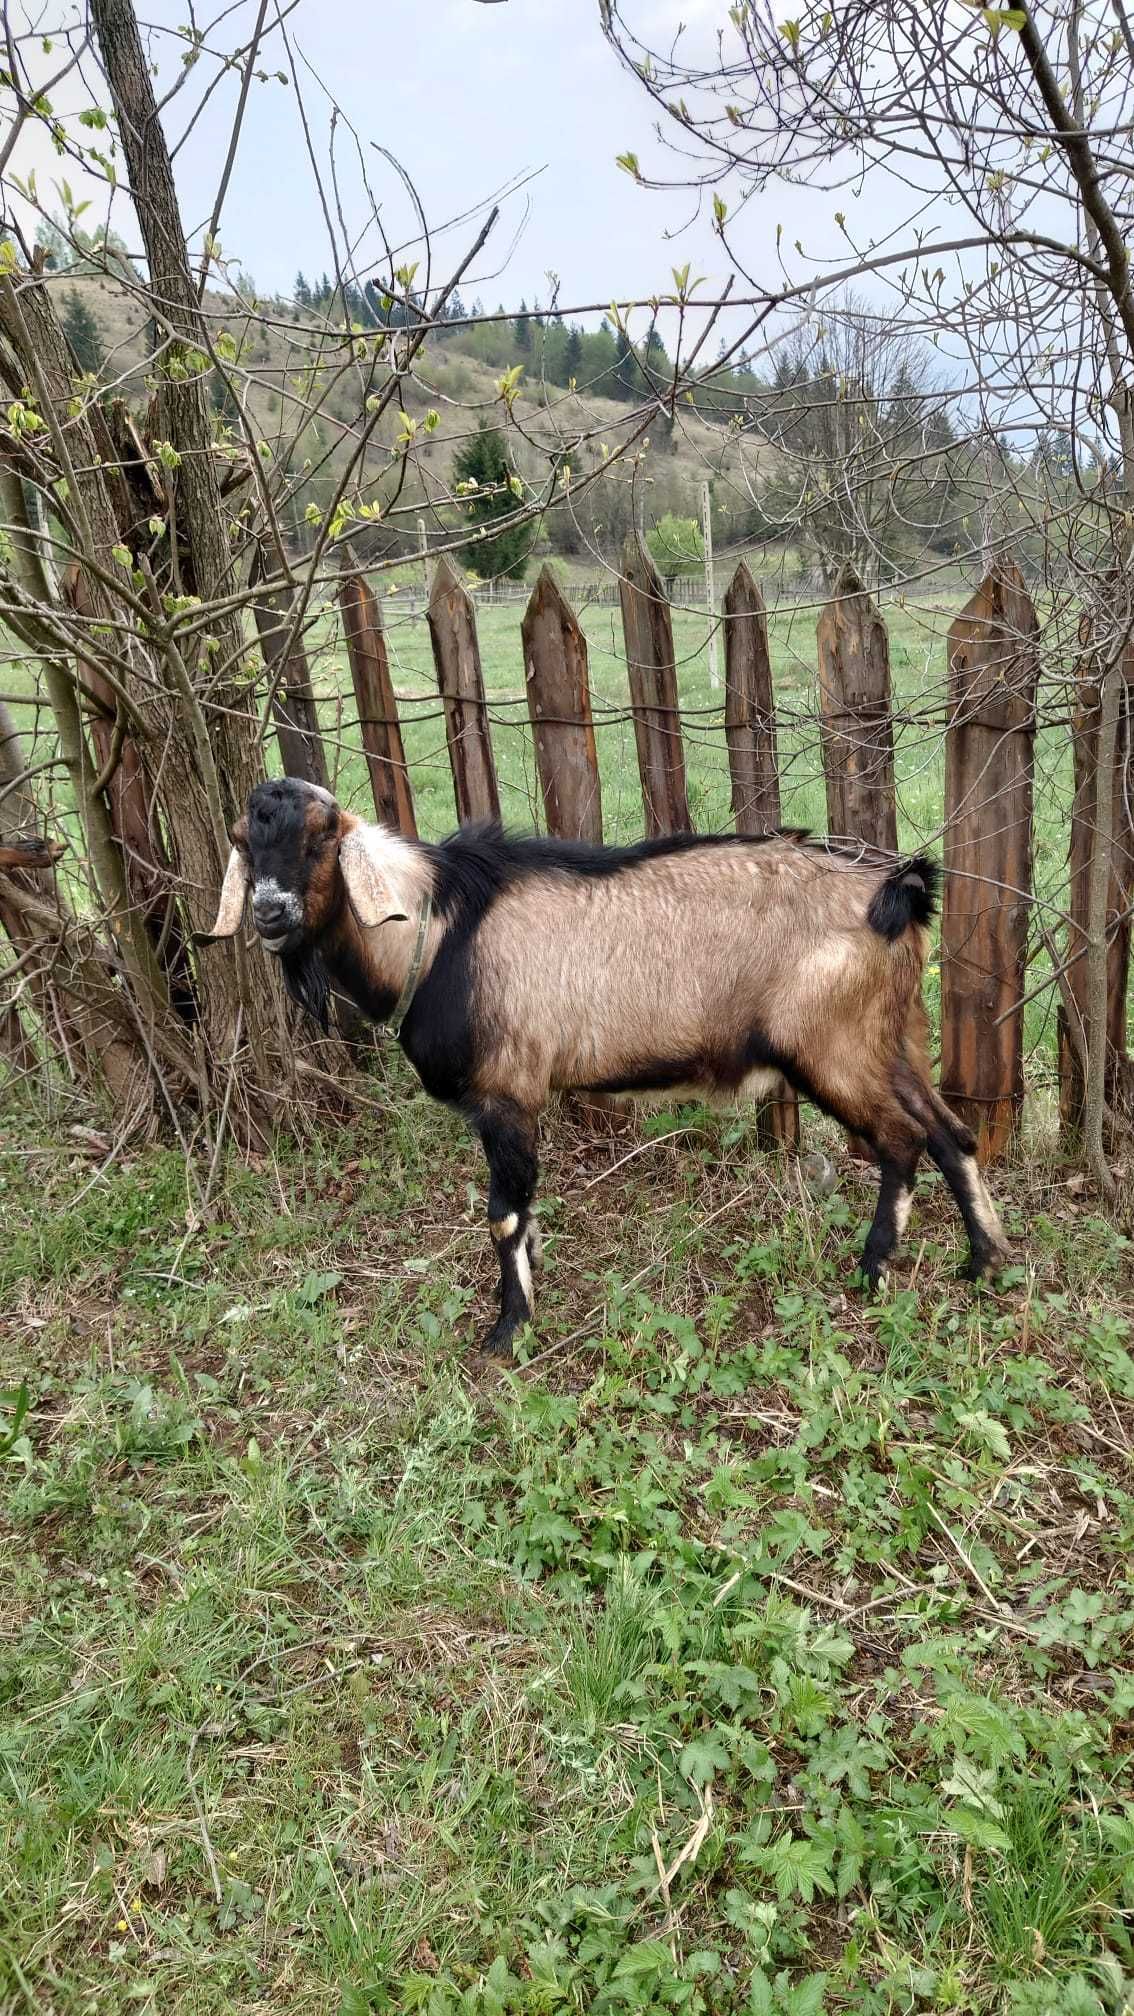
[744,1648]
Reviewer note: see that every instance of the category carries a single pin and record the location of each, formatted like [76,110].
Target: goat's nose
[269,913]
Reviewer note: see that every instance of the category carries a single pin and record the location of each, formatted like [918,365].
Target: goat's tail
[906,897]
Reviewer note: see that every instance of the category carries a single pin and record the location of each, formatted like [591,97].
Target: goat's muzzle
[277,915]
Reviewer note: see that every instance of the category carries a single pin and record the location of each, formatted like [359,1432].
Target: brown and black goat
[511,968]
[30,853]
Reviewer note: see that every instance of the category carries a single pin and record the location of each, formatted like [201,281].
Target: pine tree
[302,291]
[573,354]
[82,333]
[484,460]
[627,375]
[522,329]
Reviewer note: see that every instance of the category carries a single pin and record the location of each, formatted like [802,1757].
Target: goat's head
[303,859]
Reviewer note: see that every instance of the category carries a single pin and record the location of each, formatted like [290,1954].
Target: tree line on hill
[606,360]
[866,460]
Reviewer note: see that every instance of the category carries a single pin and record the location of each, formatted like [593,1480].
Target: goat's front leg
[508,1133]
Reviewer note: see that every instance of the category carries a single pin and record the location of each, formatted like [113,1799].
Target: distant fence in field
[990,723]
[684,592]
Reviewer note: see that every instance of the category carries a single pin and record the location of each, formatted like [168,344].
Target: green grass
[342,1670]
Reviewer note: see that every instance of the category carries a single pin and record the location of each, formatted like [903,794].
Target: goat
[30,853]
[510,968]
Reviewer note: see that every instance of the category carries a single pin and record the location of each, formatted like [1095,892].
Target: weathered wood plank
[652,673]
[559,703]
[1120,893]
[377,706]
[857,718]
[750,721]
[456,655]
[750,731]
[993,674]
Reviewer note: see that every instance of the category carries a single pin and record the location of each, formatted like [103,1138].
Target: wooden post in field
[857,718]
[378,722]
[1085,737]
[652,672]
[750,730]
[750,722]
[559,703]
[993,675]
[293,700]
[456,654]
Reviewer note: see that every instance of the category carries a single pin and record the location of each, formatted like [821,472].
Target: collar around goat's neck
[404,1002]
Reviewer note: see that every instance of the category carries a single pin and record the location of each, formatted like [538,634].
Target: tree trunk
[71,988]
[211,755]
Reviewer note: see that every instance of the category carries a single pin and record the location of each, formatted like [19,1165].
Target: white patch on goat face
[268,890]
[503,1228]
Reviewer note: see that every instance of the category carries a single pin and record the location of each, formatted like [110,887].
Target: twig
[204,1729]
[641,1148]
[971,1571]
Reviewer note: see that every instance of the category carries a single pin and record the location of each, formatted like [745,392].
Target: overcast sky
[469,98]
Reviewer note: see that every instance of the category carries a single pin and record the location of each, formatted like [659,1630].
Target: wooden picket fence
[990,728]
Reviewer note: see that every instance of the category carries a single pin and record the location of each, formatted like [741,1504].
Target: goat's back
[695,963]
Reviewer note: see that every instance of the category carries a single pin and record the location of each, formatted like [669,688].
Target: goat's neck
[372,966]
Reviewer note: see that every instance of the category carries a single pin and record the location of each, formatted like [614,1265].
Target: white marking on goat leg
[533,1236]
[524,1273]
[503,1228]
[903,1204]
[984,1210]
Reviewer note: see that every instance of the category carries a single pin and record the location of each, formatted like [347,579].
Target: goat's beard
[308,982]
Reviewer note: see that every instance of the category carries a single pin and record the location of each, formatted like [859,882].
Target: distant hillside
[304,384]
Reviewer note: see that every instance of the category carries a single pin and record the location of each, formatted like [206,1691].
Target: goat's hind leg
[953,1148]
[508,1133]
[899,1153]
[954,1151]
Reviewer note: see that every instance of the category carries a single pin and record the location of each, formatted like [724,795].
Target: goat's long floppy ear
[371,877]
[230,910]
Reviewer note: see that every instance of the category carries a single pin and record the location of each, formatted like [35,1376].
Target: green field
[744,1649]
[751,1649]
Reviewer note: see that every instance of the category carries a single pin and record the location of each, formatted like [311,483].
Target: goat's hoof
[875,1275]
[499,1341]
[984,1266]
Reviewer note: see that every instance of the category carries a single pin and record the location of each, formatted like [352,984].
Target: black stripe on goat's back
[480,861]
